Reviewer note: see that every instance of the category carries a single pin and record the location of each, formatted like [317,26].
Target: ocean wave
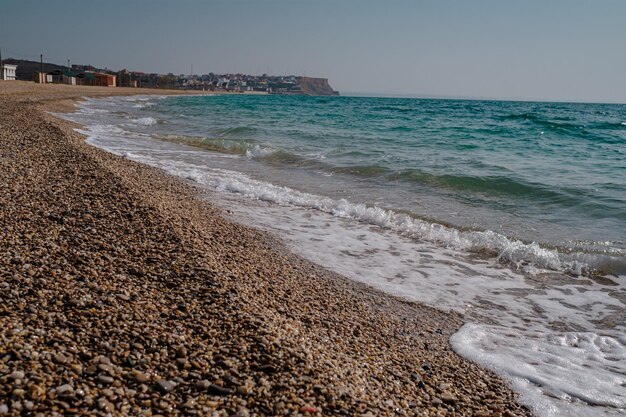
[91,110]
[514,252]
[567,125]
[243,147]
[488,184]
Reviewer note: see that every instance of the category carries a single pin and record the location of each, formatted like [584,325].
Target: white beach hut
[8,72]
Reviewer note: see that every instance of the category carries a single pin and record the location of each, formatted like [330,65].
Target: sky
[556,50]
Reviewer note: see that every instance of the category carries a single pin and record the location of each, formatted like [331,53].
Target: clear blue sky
[571,50]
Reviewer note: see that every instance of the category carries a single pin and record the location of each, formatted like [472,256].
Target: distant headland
[239,83]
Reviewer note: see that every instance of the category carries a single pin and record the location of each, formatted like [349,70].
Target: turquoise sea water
[510,213]
[551,173]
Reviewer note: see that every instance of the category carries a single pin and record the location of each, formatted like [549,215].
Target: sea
[510,213]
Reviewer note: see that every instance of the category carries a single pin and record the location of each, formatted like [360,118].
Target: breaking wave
[521,255]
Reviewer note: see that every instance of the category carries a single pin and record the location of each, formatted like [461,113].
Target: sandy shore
[125,294]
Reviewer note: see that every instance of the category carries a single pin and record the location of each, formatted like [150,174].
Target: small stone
[448,397]
[217,390]
[203,385]
[105,368]
[308,409]
[243,412]
[77,368]
[4,409]
[190,403]
[59,359]
[15,375]
[106,405]
[35,392]
[105,379]
[65,389]
[243,390]
[165,386]
[141,377]
[104,360]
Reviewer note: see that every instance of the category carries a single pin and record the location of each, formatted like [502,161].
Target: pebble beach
[125,293]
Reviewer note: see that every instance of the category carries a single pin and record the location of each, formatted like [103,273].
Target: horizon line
[472,98]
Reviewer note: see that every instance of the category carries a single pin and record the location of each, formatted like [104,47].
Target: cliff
[316,86]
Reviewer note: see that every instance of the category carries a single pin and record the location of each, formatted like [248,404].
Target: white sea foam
[558,339]
[257,151]
[562,373]
[511,250]
[145,121]
[89,110]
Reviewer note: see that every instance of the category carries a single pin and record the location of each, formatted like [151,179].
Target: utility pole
[1,68]
[68,65]
[41,60]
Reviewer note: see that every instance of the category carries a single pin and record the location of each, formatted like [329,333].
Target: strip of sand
[125,294]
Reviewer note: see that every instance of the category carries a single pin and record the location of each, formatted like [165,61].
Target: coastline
[143,297]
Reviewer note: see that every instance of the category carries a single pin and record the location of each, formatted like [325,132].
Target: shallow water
[497,210]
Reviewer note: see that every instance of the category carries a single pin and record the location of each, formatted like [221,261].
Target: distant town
[41,72]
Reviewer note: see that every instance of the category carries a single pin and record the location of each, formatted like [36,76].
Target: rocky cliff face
[316,86]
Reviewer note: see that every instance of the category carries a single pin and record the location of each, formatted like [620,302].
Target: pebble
[35,392]
[105,379]
[448,397]
[165,386]
[141,377]
[16,375]
[65,389]
[217,390]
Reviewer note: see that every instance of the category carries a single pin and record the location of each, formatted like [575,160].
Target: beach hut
[42,77]
[68,78]
[63,77]
[105,80]
[8,72]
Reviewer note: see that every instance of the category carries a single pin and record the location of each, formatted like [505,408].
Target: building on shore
[42,77]
[76,78]
[125,79]
[8,72]
[104,80]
